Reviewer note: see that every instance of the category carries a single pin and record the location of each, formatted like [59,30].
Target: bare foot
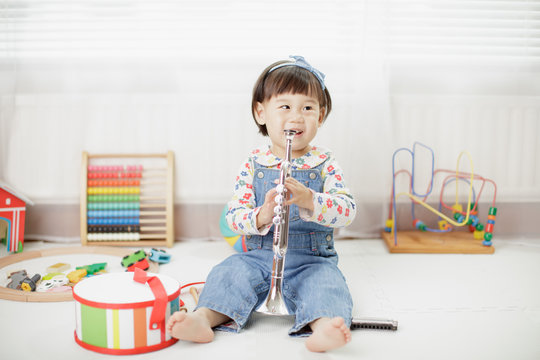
[328,334]
[191,327]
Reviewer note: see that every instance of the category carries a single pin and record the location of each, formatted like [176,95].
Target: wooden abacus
[130,204]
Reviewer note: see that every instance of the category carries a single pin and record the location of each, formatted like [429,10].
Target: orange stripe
[139,326]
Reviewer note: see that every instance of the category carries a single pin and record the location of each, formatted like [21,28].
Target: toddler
[287,95]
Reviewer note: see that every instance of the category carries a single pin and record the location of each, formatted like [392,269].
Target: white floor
[447,306]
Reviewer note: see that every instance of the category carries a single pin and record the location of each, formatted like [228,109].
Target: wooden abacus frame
[150,235]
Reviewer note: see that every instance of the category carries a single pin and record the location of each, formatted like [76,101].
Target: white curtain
[151,76]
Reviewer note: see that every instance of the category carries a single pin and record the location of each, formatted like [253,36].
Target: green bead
[456,216]
[479,227]
[488,236]
[492,211]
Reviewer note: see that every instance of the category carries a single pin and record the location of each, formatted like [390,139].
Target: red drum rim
[132,351]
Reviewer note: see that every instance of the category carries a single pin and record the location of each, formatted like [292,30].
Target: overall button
[328,237]
[312,175]
[260,174]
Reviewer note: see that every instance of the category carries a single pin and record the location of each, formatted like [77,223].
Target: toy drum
[125,313]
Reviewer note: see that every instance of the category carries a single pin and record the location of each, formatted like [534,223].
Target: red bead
[489,228]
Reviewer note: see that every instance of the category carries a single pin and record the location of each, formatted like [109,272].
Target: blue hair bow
[301,62]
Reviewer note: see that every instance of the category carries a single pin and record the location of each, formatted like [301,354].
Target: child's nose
[298,116]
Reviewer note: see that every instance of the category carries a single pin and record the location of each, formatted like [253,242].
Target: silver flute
[275,304]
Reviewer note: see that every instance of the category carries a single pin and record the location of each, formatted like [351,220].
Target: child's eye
[308,108]
[284,107]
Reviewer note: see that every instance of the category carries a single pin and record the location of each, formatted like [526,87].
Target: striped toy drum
[125,313]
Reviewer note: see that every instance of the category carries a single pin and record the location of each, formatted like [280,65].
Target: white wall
[191,91]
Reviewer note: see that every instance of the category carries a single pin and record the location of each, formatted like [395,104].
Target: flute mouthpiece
[290,132]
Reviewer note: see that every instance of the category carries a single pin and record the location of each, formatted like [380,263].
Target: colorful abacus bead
[389,224]
[113,228]
[135,236]
[134,168]
[113,221]
[113,206]
[113,213]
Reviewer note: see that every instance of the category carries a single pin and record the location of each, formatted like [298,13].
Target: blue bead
[388,229]
[491,222]
[486,243]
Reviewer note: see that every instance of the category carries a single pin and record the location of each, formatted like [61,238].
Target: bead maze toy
[127,199]
[444,238]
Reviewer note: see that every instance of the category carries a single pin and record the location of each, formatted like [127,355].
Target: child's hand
[266,214]
[298,194]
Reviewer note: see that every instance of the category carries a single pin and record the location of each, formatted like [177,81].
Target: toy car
[133,258]
[159,256]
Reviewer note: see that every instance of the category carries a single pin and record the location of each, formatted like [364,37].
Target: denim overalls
[313,286]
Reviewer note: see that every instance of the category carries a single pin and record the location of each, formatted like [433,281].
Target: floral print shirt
[334,207]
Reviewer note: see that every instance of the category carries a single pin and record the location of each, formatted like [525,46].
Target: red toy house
[12,215]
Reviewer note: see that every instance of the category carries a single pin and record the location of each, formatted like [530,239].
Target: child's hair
[288,79]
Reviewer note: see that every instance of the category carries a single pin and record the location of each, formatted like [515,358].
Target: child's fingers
[299,194]
[270,195]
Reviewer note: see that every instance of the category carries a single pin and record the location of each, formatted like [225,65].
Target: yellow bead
[444,225]
[479,235]
[457,208]
[389,223]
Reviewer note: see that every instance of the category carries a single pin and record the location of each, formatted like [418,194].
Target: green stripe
[112,198]
[94,326]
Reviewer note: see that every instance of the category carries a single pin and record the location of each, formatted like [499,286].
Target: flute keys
[280,188]
[276,220]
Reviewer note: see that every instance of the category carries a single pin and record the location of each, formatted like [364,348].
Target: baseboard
[60,222]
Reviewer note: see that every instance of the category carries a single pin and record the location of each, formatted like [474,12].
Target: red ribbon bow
[157,318]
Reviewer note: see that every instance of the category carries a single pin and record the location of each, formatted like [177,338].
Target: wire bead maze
[127,199]
[441,238]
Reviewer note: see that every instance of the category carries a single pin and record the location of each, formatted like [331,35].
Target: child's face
[290,112]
